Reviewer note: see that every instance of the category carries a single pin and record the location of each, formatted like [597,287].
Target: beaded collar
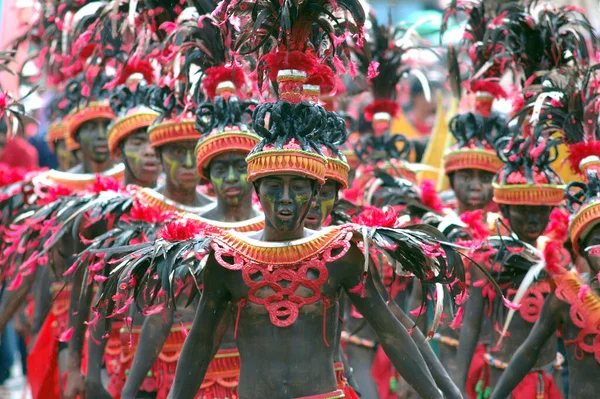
[78,181]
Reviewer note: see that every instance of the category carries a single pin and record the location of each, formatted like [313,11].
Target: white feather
[530,277]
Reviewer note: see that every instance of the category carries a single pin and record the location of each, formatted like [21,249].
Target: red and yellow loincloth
[42,361]
[112,359]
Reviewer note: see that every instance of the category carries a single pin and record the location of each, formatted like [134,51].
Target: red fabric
[342,382]
[382,372]
[19,153]
[222,377]
[42,363]
[477,371]
[528,388]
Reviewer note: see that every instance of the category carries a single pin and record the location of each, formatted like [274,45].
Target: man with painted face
[572,307]
[55,136]
[309,270]
[526,198]
[471,165]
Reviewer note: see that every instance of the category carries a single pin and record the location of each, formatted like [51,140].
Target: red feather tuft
[375,217]
[475,221]
[488,86]
[104,184]
[134,65]
[557,258]
[143,212]
[429,196]
[558,227]
[324,78]
[184,229]
[215,75]
[282,60]
[578,151]
[389,106]
[457,321]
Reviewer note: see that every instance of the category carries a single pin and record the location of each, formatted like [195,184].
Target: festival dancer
[527,211]
[572,306]
[470,165]
[386,178]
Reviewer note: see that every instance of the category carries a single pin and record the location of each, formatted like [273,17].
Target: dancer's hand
[95,390]
[75,385]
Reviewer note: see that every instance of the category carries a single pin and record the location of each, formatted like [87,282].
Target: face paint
[63,155]
[473,188]
[179,162]
[322,207]
[92,140]
[527,221]
[229,176]
[141,158]
[286,200]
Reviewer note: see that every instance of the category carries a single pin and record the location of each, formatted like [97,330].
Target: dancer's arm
[525,357]
[154,335]
[469,332]
[96,346]
[13,300]
[198,348]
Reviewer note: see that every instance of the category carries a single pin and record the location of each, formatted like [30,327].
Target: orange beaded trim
[337,170]
[281,162]
[583,221]
[222,142]
[529,194]
[472,159]
[91,111]
[276,253]
[77,181]
[137,119]
[56,131]
[171,131]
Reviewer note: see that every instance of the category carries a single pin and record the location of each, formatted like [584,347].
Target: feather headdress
[383,62]
[527,177]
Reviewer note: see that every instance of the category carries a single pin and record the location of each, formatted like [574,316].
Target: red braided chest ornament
[584,312]
[532,302]
[283,269]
